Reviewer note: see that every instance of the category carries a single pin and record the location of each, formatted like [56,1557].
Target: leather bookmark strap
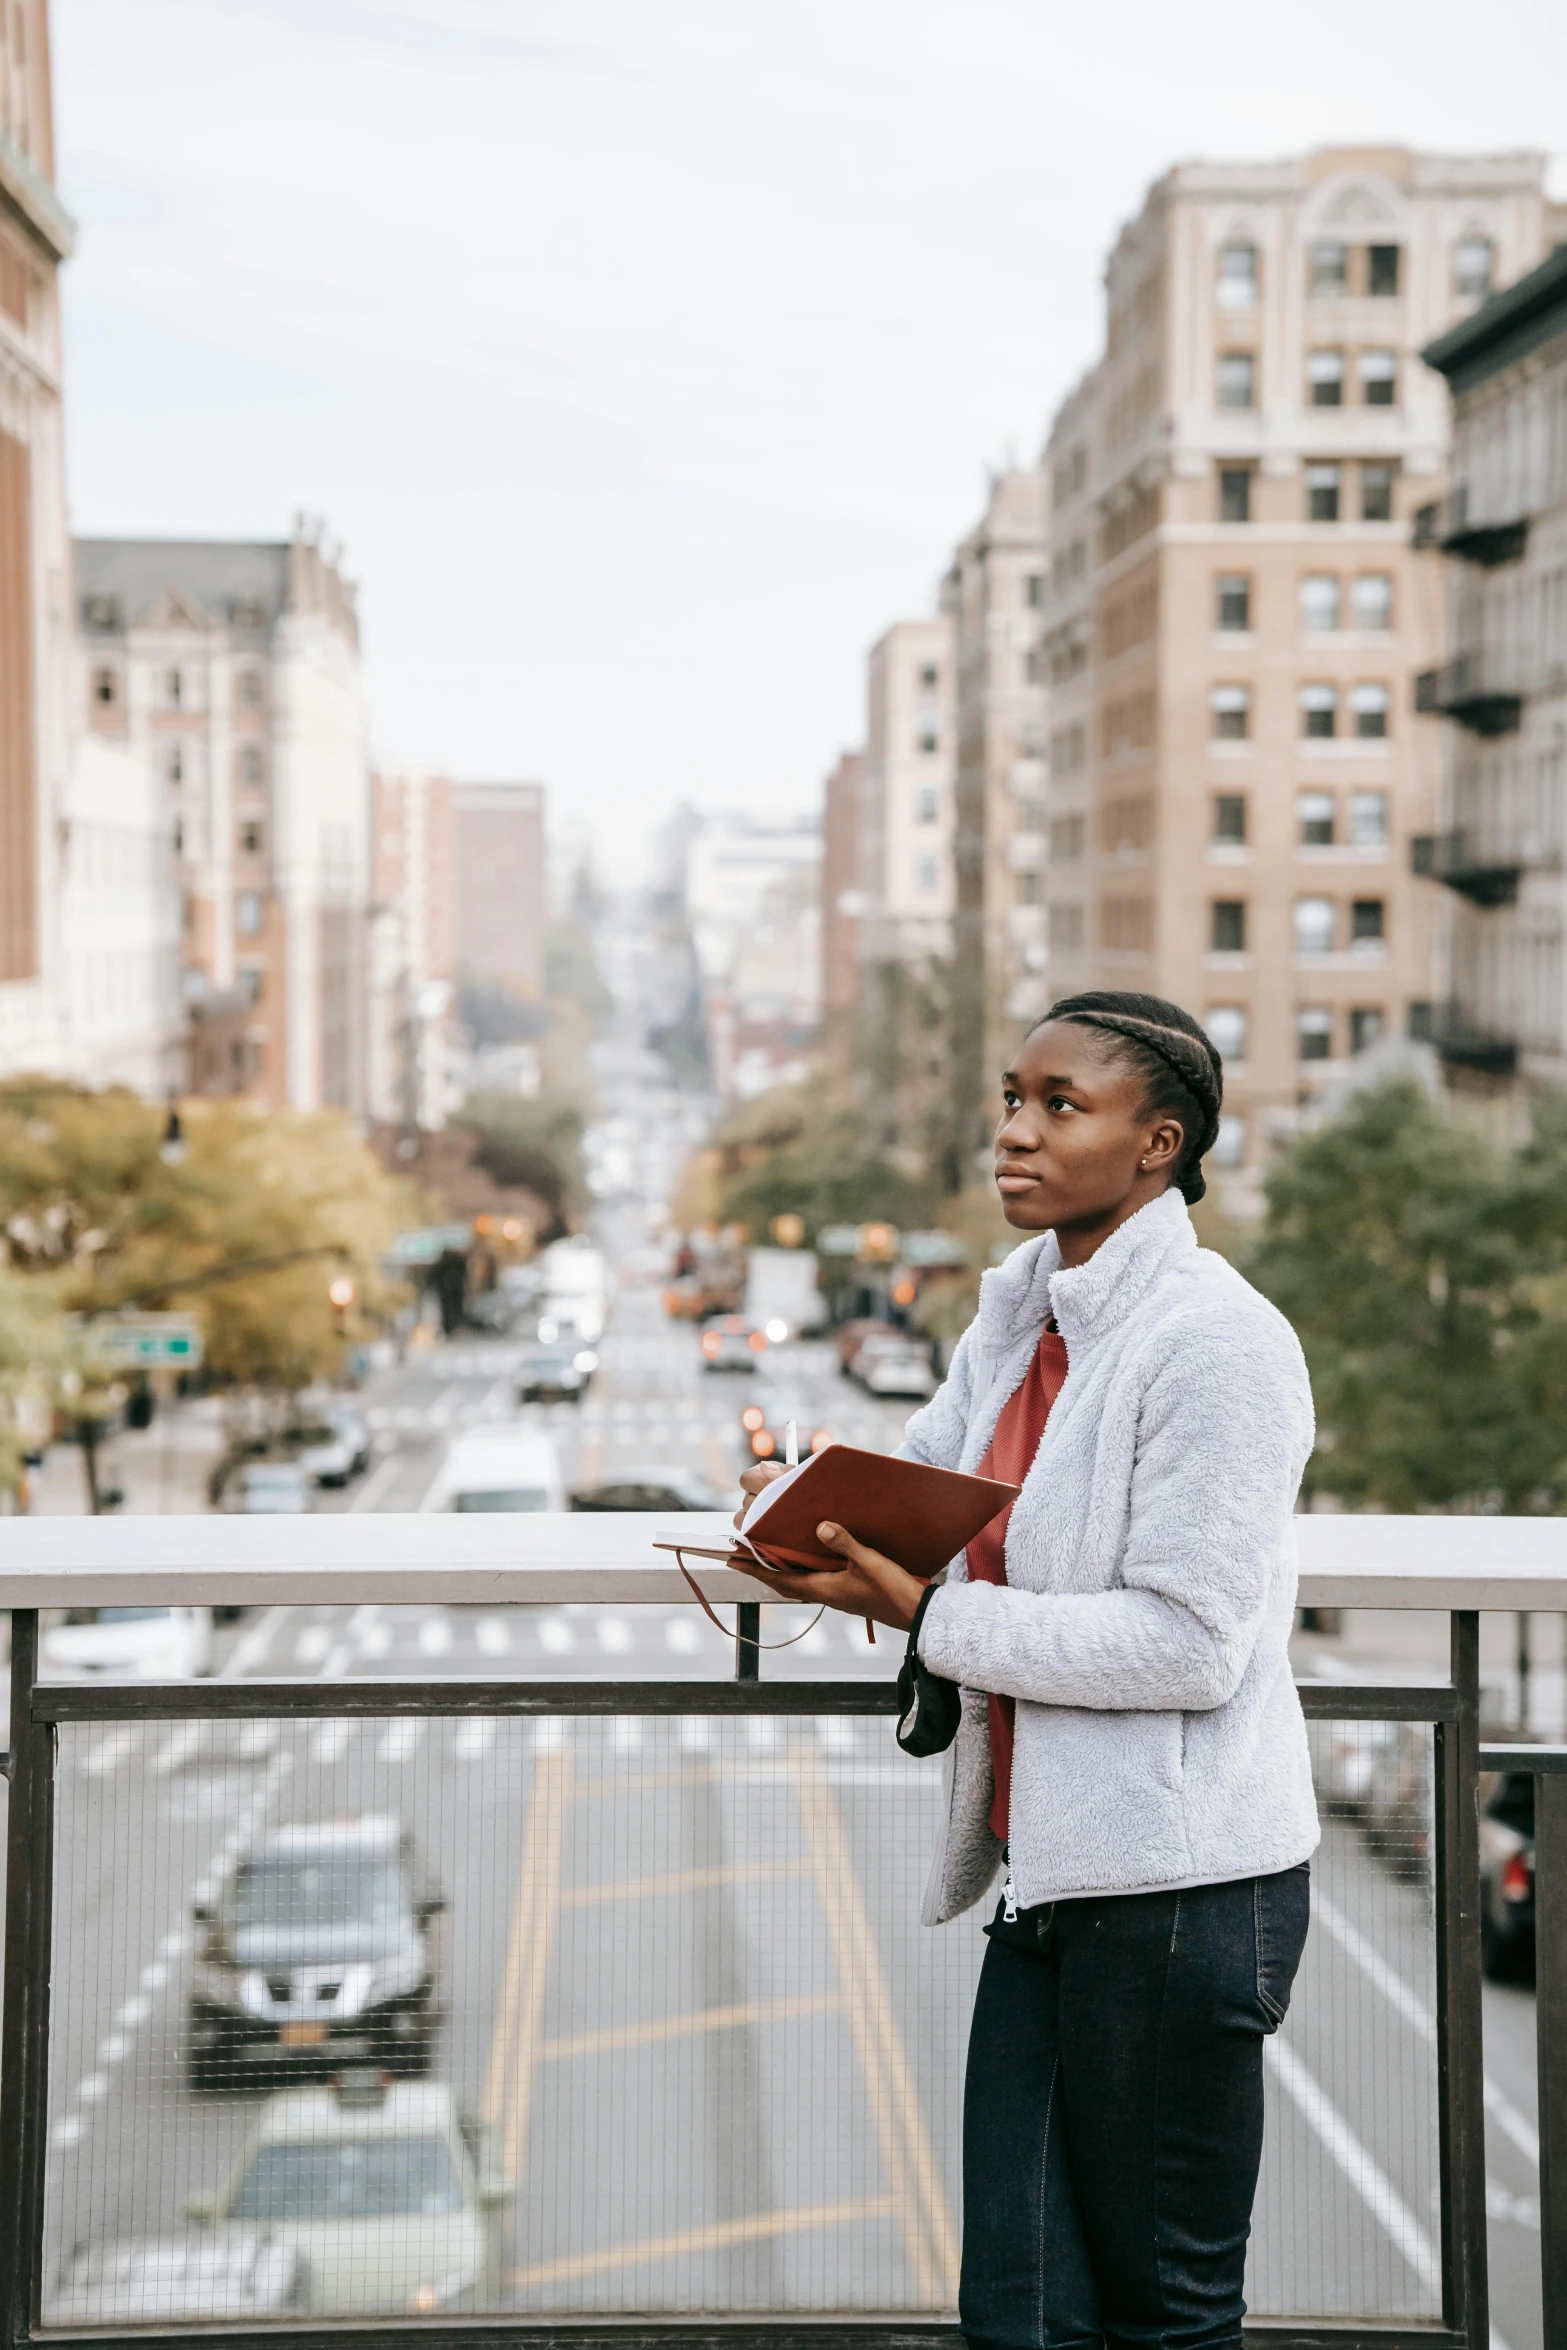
[700,1596]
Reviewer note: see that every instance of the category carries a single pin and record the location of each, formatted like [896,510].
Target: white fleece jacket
[1151,1576]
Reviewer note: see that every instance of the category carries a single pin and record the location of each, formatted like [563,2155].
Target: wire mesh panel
[1347,2220]
[591,2016]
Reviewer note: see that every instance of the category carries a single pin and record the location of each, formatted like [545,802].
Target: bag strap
[700,1596]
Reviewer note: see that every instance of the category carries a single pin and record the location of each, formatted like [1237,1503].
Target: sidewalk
[163,1469]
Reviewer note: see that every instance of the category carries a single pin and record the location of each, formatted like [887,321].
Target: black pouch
[929,1709]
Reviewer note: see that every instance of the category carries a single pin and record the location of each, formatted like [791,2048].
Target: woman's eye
[1011,1097]
[1058,1101]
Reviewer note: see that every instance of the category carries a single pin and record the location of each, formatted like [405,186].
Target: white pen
[791,1445]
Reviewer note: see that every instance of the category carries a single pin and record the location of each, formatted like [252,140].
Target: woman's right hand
[752,1481]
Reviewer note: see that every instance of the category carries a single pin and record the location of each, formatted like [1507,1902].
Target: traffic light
[340,1296]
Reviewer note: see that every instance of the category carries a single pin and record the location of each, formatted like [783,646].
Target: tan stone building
[1235,612]
[844,896]
[992,599]
[502,884]
[233,667]
[907,808]
[413,950]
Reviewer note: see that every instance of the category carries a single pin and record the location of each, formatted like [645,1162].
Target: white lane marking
[112,2048]
[435,1636]
[683,1638]
[493,1636]
[177,1749]
[313,1644]
[257,1739]
[110,1751]
[154,1975]
[369,1495]
[1359,2166]
[92,2090]
[474,1739]
[615,1635]
[67,2132]
[330,1741]
[251,1648]
[135,2011]
[402,1741]
[557,1636]
[1407,2003]
[333,1667]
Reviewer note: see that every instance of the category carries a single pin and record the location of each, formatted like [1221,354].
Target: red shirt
[1011,1456]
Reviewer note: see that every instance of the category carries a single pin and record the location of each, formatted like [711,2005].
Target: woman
[1130,1744]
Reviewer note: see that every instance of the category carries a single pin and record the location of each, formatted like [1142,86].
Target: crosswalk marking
[473,1739]
[402,1740]
[492,1636]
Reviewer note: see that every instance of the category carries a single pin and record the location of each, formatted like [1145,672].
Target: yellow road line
[715,2237]
[687,2027]
[590,1461]
[907,2154]
[720,1464]
[637,1782]
[679,1881]
[514,2050]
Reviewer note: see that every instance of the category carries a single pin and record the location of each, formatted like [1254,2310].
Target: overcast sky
[647,356]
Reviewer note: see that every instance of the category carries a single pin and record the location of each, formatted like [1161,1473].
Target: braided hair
[1184,1073]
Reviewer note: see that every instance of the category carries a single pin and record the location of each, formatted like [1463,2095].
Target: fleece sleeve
[1223,1436]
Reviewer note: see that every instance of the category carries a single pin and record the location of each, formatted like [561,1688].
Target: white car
[894,1370]
[267,1489]
[129,1644]
[147,2280]
[498,1468]
[390,2196]
[336,1446]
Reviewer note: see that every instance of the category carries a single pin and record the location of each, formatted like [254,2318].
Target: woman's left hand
[867,1584]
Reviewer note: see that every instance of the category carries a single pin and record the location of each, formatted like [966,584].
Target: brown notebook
[920,1516]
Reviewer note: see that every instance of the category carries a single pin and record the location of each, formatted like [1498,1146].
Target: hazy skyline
[648,361]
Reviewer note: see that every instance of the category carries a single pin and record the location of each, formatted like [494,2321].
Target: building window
[1229,709]
[927,804]
[1319,601]
[1313,1033]
[250,688]
[250,979]
[1027,884]
[179,837]
[1237,277]
[1229,819]
[1226,1026]
[1371,600]
[1315,926]
[1365,922]
[1370,706]
[250,764]
[1066,839]
[1382,269]
[1227,932]
[248,913]
[1234,599]
[1473,263]
[175,769]
[1033,592]
[1318,712]
[174,687]
[1314,813]
[1237,380]
[1368,819]
[1066,928]
[1366,1024]
[1329,271]
[1379,378]
[1229,1148]
[1033,671]
[103,685]
[928,676]
[925,875]
[1322,492]
[1376,493]
[1325,378]
[929,740]
[250,838]
[1235,493]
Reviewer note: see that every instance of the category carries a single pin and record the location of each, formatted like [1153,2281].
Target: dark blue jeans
[1112,2117]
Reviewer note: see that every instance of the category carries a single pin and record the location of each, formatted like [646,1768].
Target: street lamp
[340,1296]
[172,1148]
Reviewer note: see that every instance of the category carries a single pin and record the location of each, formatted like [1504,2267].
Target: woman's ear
[1166,1139]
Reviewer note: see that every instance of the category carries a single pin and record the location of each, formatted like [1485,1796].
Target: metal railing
[724,2062]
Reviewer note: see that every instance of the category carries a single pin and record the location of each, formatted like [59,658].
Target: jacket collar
[1088,1300]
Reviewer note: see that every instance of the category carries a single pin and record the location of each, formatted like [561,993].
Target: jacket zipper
[1008,1891]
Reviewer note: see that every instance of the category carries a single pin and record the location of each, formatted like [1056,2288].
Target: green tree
[800,1150]
[1426,1273]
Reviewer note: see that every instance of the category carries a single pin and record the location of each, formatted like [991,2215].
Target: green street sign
[148,1342]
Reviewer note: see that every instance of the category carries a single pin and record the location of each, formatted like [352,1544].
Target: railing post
[748,1640]
[1460,2061]
[1550,2023]
[24,2030]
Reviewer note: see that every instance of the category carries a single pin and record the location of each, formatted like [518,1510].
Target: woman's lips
[1014,1179]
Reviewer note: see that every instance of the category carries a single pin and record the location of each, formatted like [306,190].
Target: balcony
[1471,689]
[672,2063]
[1481,871]
[1446,524]
[1463,1043]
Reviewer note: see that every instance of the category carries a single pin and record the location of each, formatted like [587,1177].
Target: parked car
[267,1489]
[129,1644]
[556,1374]
[731,1343]
[886,1366]
[852,1336]
[190,2279]
[1398,1804]
[1343,1757]
[1507,1874]
[766,1426]
[323,1944]
[391,2196]
[652,1489]
[336,1447]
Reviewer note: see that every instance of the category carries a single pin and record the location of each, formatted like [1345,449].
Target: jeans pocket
[1281,1908]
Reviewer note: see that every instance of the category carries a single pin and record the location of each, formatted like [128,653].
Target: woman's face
[1075,1148]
